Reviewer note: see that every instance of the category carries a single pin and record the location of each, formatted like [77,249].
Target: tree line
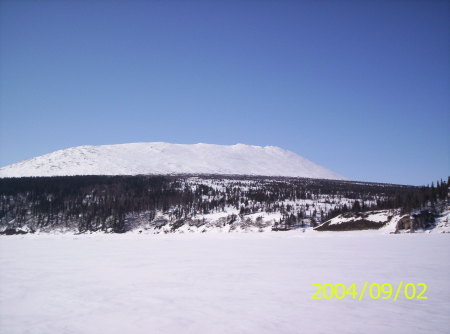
[92,203]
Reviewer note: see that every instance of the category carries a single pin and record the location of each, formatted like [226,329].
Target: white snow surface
[443,222]
[165,158]
[376,216]
[220,283]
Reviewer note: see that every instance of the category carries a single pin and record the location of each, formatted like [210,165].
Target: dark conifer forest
[121,203]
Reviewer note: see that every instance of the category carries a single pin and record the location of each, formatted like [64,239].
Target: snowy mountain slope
[165,158]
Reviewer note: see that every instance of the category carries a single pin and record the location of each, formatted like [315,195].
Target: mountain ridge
[166,158]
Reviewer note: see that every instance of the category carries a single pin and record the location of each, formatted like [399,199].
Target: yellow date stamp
[372,291]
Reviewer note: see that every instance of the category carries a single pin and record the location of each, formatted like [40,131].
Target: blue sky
[360,87]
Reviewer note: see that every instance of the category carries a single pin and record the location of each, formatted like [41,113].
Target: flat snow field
[219,283]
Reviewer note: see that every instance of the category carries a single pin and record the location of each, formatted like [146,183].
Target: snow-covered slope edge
[389,221]
[165,158]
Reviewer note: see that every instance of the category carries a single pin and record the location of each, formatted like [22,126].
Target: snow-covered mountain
[165,158]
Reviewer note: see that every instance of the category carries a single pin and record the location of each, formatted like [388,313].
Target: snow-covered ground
[377,217]
[219,283]
[166,158]
[443,222]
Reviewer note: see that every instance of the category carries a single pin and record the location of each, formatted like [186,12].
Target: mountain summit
[165,158]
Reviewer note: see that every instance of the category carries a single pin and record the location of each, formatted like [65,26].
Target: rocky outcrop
[421,220]
[14,231]
[404,223]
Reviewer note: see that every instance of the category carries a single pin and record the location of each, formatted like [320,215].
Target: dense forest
[121,203]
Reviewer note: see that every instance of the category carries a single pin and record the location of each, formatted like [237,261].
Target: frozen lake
[219,283]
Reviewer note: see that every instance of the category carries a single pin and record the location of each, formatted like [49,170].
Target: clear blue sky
[360,87]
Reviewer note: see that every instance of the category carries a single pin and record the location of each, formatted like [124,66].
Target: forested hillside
[193,202]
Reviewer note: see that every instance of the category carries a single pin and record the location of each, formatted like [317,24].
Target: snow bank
[357,221]
[443,223]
